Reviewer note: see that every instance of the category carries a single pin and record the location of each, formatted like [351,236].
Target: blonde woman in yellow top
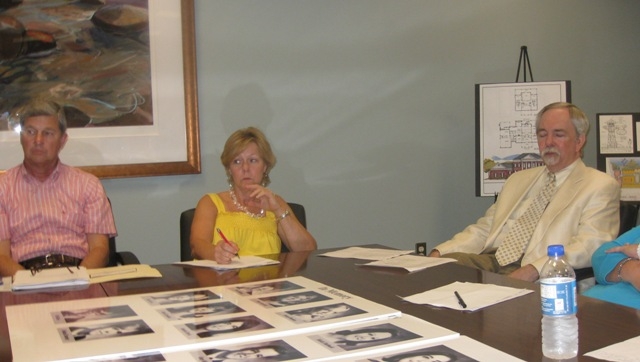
[253,218]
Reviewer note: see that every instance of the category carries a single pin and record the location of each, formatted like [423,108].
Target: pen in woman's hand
[224,238]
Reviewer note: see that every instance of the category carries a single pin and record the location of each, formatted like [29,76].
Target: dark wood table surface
[512,326]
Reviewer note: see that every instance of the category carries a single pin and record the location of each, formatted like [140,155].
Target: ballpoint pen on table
[224,238]
[460,300]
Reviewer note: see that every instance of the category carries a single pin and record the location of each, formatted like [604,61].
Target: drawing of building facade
[505,168]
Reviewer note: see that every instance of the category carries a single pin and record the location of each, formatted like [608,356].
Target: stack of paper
[50,278]
[470,296]
[245,261]
[357,252]
[121,272]
[624,351]
[411,263]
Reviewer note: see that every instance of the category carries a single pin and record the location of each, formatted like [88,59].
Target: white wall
[369,105]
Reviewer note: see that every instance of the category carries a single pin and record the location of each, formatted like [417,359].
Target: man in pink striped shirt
[51,214]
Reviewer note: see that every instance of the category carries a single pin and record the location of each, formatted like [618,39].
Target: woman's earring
[229,179]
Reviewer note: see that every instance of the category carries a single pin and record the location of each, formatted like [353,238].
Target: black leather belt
[50,261]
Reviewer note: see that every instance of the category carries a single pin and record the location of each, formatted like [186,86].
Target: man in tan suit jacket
[583,212]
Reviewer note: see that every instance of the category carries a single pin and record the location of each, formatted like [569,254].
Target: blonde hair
[240,140]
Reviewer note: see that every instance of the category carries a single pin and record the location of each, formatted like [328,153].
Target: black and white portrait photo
[223,327]
[321,313]
[102,331]
[197,311]
[265,352]
[264,288]
[286,300]
[429,354]
[357,338]
[181,297]
[92,314]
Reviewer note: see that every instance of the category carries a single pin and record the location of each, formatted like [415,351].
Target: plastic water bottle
[559,306]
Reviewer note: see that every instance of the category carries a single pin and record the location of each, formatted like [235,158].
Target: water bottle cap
[555,250]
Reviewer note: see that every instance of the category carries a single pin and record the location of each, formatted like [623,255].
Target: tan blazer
[583,214]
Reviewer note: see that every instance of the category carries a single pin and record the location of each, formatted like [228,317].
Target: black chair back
[628,215]
[119,258]
[186,217]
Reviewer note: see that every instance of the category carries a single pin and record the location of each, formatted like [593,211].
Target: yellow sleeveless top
[254,236]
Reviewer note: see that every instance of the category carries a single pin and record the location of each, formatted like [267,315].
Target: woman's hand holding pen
[225,250]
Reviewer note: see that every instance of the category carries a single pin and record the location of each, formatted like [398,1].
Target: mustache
[549,150]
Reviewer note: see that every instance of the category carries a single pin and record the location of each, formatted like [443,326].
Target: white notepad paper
[50,278]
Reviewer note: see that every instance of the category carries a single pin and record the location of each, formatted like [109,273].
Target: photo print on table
[92,314]
[200,311]
[223,327]
[287,300]
[321,313]
[264,288]
[357,338]
[102,331]
[146,357]
[181,297]
[265,351]
[435,353]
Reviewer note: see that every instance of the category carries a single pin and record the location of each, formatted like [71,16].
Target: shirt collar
[30,178]
[564,173]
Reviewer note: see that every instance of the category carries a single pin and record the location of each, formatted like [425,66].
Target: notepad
[121,272]
[50,278]
[246,261]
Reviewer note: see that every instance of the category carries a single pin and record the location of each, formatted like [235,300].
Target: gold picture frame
[192,164]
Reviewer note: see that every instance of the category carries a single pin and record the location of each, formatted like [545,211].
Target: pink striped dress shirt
[54,216]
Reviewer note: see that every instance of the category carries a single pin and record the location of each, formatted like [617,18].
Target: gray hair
[578,118]
[39,107]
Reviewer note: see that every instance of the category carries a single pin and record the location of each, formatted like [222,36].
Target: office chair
[119,258]
[186,218]
[628,215]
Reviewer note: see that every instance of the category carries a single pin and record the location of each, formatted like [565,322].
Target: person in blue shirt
[616,266]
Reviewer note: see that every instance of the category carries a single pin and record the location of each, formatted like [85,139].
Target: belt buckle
[50,262]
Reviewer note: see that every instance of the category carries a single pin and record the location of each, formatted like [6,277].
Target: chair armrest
[584,273]
[127,257]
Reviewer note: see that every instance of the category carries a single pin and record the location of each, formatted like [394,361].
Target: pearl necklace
[243,208]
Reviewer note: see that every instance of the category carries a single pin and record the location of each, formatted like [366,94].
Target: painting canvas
[123,71]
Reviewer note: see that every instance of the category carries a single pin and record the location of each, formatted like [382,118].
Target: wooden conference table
[512,326]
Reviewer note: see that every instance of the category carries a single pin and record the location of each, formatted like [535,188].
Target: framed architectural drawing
[618,151]
[505,129]
[125,73]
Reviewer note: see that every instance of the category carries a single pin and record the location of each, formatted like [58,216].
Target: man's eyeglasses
[38,268]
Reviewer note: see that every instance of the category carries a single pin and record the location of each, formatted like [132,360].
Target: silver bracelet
[622,263]
[284,214]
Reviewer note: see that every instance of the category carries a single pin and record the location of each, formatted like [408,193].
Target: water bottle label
[558,298]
